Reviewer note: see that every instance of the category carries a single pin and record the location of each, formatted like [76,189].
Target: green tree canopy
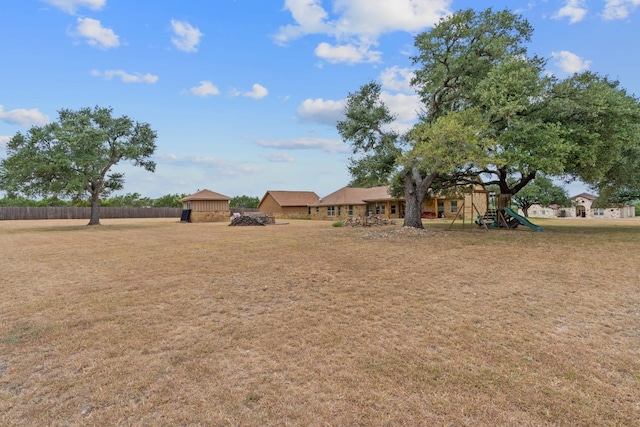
[244,202]
[73,157]
[169,201]
[448,142]
[133,200]
[542,191]
[490,110]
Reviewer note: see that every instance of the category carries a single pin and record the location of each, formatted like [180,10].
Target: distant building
[288,204]
[582,208]
[207,206]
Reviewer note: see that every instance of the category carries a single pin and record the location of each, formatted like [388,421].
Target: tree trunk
[525,211]
[415,190]
[95,209]
[413,211]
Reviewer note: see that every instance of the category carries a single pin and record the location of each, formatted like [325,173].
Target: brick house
[357,201]
[288,204]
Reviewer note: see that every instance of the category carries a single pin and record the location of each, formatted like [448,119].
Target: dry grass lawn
[161,323]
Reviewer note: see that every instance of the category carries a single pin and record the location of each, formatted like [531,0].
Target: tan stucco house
[582,208]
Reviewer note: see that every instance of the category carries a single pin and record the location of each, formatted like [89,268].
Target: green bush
[337,224]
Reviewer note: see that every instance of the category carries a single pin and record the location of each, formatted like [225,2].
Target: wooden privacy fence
[22,213]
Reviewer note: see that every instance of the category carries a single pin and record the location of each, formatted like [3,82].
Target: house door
[441,209]
[581,212]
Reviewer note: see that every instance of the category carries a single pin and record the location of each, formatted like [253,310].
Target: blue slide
[522,220]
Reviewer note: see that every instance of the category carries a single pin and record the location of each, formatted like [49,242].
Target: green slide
[522,220]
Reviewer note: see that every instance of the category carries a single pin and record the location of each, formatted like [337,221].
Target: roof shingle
[205,195]
[356,196]
[292,198]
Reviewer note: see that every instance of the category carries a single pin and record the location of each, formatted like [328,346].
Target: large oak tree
[490,110]
[73,157]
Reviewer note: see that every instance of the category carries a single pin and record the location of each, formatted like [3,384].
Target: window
[544,212]
[308,210]
[598,212]
[454,206]
[331,210]
[350,210]
[317,209]
[393,209]
[380,210]
[340,210]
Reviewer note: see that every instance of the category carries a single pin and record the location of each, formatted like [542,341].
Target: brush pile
[247,220]
[367,221]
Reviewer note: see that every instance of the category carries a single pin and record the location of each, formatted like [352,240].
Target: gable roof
[292,198]
[585,196]
[205,195]
[356,196]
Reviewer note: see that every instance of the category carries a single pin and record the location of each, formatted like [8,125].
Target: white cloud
[570,62]
[310,19]
[320,111]
[397,79]
[126,77]
[70,6]
[619,9]
[404,107]
[186,37]
[4,140]
[23,117]
[324,144]
[278,157]
[96,34]
[357,24]
[257,92]
[205,89]
[221,167]
[349,53]
[384,16]
[574,10]
[328,112]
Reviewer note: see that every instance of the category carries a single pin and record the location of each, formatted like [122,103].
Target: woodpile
[248,220]
[367,221]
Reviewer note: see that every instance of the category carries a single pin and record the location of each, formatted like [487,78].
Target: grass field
[161,323]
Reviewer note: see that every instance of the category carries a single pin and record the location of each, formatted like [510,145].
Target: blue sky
[245,94]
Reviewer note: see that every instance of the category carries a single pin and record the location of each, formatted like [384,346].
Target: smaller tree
[169,201]
[540,191]
[244,202]
[73,157]
[129,200]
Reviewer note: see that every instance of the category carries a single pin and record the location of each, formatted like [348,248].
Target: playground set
[497,211]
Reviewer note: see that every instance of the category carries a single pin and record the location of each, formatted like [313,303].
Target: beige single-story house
[207,206]
[288,204]
[538,211]
[582,208]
